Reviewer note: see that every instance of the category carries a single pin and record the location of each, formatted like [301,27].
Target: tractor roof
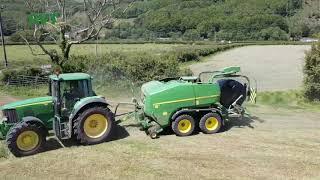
[70,76]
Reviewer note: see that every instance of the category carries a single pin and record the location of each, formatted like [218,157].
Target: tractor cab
[72,95]
[67,89]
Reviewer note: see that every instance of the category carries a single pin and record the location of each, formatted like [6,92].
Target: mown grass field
[18,53]
[272,145]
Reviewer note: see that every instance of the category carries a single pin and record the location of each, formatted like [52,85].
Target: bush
[312,73]
[16,37]
[191,35]
[115,66]
[26,71]
[76,64]
[146,67]
[273,33]
[186,55]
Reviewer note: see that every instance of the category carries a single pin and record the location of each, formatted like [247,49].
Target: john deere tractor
[185,103]
[72,110]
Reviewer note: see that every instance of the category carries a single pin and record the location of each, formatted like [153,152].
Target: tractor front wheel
[93,126]
[210,123]
[26,139]
[183,125]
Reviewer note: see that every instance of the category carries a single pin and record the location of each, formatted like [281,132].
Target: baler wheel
[26,139]
[153,133]
[93,125]
[210,123]
[183,125]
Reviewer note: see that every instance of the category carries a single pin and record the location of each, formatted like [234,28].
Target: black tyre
[183,125]
[210,123]
[153,133]
[26,139]
[93,126]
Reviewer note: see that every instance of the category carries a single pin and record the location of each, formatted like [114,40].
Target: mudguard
[85,102]
[34,120]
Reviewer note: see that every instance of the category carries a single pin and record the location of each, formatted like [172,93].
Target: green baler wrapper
[162,99]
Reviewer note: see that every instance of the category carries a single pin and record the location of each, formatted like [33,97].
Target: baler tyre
[153,133]
[183,125]
[210,123]
[93,126]
[26,139]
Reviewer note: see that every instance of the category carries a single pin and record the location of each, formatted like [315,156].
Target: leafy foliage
[115,66]
[312,73]
[198,19]
[25,71]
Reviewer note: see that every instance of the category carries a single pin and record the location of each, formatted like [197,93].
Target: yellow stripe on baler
[183,100]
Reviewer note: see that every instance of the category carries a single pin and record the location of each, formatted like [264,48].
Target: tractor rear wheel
[25,139]
[210,123]
[183,125]
[93,125]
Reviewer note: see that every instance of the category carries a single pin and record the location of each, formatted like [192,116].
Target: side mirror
[64,112]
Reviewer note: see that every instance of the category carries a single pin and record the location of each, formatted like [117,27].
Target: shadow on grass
[245,121]
[53,144]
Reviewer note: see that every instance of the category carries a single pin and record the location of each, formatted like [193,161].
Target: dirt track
[274,67]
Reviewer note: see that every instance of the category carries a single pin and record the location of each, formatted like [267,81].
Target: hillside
[197,19]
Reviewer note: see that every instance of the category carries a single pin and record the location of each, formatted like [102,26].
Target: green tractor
[72,110]
[185,103]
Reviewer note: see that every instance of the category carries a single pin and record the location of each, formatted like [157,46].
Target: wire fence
[27,81]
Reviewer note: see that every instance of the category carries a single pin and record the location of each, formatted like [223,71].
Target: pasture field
[279,141]
[23,53]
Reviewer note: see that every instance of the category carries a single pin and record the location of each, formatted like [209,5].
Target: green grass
[22,53]
[118,90]
[292,99]
[24,92]
[4,152]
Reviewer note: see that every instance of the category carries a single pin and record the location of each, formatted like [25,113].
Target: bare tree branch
[31,49]
[94,11]
[37,40]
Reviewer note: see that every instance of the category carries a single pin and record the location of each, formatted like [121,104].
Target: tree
[191,35]
[312,73]
[9,26]
[64,32]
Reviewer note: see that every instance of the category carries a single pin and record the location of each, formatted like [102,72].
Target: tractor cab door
[54,92]
[65,95]
[71,92]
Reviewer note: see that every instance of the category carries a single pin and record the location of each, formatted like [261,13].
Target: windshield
[73,89]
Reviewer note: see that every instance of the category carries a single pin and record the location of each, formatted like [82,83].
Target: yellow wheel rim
[95,125]
[27,140]
[212,123]
[184,126]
